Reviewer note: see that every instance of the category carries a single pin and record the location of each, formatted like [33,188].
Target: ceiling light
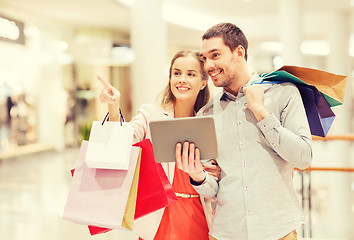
[315,47]
[127,3]
[123,54]
[187,17]
[182,15]
[272,46]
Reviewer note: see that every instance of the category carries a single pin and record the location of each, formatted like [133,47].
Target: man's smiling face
[220,61]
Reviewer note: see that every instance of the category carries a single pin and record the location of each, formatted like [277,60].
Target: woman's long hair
[169,100]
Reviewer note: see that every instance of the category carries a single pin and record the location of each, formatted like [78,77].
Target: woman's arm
[111,96]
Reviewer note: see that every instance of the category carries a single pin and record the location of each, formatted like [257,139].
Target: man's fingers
[213,169]
[106,85]
[209,168]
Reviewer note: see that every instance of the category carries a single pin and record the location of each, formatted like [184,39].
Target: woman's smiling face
[186,78]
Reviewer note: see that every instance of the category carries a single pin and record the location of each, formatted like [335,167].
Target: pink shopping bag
[98,197]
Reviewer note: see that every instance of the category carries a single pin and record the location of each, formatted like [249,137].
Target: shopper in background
[263,134]
[186,92]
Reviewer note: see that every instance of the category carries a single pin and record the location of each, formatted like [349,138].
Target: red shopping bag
[154,189]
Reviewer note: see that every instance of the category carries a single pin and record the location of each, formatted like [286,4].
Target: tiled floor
[33,191]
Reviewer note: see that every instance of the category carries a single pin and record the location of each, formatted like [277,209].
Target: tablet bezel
[165,134]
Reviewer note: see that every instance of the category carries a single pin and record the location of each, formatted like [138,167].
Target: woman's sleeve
[140,122]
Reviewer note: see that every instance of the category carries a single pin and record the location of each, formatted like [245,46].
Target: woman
[187,91]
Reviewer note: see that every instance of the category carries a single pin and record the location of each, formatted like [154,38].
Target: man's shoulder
[282,92]
[283,88]
[207,109]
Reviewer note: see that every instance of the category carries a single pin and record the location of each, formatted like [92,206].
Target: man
[262,133]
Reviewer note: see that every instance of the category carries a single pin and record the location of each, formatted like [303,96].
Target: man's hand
[213,169]
[255,97]
[188,160]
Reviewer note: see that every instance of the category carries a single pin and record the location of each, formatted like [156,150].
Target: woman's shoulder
[150,108]
[155,111]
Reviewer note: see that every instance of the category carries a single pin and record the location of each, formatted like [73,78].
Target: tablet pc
[165,134]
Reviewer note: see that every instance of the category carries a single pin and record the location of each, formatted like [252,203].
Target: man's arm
[290,137]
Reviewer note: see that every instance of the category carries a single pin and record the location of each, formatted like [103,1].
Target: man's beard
[225,83]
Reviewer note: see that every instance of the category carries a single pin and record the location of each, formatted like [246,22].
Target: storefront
[48,86]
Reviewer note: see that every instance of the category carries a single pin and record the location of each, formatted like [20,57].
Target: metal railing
[308,171]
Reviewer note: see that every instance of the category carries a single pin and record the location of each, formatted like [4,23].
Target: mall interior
[51,53]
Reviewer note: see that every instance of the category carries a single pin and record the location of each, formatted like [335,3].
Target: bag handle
[107,118]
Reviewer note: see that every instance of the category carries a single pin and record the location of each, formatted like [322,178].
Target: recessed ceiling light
[128,3]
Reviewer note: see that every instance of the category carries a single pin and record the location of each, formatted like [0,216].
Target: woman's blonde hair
[169,100]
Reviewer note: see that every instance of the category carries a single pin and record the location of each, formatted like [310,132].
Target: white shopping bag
[109,145]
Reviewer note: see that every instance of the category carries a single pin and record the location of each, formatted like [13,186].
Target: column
[149,41]
[340,193]
[51,95]
[291,35]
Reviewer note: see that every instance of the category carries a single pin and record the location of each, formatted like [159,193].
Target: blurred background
[52,51]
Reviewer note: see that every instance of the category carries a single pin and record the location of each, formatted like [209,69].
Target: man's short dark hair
[231,34]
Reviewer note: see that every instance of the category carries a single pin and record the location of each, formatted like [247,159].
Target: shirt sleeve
[208,188]
[290,136]
[140,122]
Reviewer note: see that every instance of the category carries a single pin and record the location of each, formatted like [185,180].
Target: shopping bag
[99,197]
[109,145]
[93,229]
[98,230]
[331,85]
[319,114]
[317,103]
[154,189]
[128,218]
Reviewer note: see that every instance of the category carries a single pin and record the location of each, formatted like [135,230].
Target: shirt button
[244,164]
[273,144]
[249,213]
[238,122]
[264,125]
[237,101]
[246,188]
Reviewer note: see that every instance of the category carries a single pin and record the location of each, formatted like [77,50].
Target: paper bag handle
[107,117]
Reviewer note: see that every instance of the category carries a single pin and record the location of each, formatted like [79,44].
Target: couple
[262,134]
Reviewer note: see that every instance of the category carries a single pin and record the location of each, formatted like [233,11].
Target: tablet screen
[165,134]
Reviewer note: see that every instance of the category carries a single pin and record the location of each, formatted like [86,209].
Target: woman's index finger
[105,83]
